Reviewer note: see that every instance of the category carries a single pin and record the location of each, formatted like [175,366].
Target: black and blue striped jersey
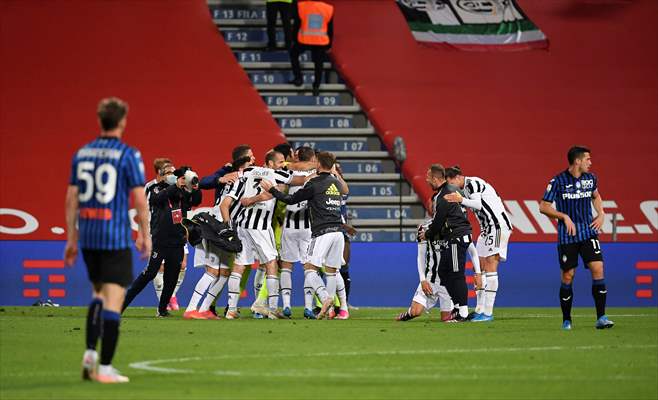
[573,196]
[105,171]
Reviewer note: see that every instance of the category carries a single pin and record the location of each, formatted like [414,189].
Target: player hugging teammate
[449,240]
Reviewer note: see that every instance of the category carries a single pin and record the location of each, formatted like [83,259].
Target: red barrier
[510,117]
[189,99]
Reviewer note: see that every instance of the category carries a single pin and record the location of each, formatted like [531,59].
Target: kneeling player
[429,289]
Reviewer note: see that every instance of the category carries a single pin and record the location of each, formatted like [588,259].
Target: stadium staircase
[333,121]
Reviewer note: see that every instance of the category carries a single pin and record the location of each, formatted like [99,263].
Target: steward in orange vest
[313,31]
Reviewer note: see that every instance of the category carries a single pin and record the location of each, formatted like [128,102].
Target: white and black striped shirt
[428,270]
[487,205]
[235,191]
[298,215]
[148,189]
[259,215]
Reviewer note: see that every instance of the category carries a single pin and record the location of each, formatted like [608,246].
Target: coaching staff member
[451,227]
[573,191]
[323,194]
[105,173]
[169,204]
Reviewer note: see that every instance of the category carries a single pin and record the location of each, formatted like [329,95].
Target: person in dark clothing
[272,8]
[227,173]
[451,231]
[323,194]
[170,204]
[313,30]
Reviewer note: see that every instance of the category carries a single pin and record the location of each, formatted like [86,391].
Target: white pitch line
[149,365]
[556,316]
[375,373]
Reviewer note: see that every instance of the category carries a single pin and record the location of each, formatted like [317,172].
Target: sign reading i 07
[333,145]
[316,121]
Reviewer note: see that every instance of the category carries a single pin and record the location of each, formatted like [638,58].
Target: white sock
[308,291]
[490,292]
[317,284]
[181,277]
[331,284]
[213,291]
[340,291]
[158,284]
[199,290]
[258,281]
[272,282]
[286,286]
[479,307]
[234,290]
[105,369]
[463,311]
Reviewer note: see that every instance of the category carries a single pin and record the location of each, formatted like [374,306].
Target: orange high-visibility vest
[315,17]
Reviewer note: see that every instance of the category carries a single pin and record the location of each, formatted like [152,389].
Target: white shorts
[294,245]
[257,244]
[493,243]
[327,250]
[439,293]
[205,254]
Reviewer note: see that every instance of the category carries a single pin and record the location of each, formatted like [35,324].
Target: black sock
[460,290]
[345,273]
[110,335]
[406,316]
[94,323]
[599,293]
[566,299]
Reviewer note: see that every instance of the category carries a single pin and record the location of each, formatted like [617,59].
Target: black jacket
[324,199]
[449,221]
[163,200]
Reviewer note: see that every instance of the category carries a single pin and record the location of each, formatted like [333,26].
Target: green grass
[523,354]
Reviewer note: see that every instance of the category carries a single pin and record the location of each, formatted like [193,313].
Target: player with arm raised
[574,191]
[495,230]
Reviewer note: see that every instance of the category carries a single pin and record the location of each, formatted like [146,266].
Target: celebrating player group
[296,198]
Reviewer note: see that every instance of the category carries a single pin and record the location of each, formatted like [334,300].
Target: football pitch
[522,354]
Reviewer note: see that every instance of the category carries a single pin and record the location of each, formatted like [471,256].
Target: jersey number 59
[102,182]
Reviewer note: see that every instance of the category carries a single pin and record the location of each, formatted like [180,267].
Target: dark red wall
[510,117]
[188,97]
